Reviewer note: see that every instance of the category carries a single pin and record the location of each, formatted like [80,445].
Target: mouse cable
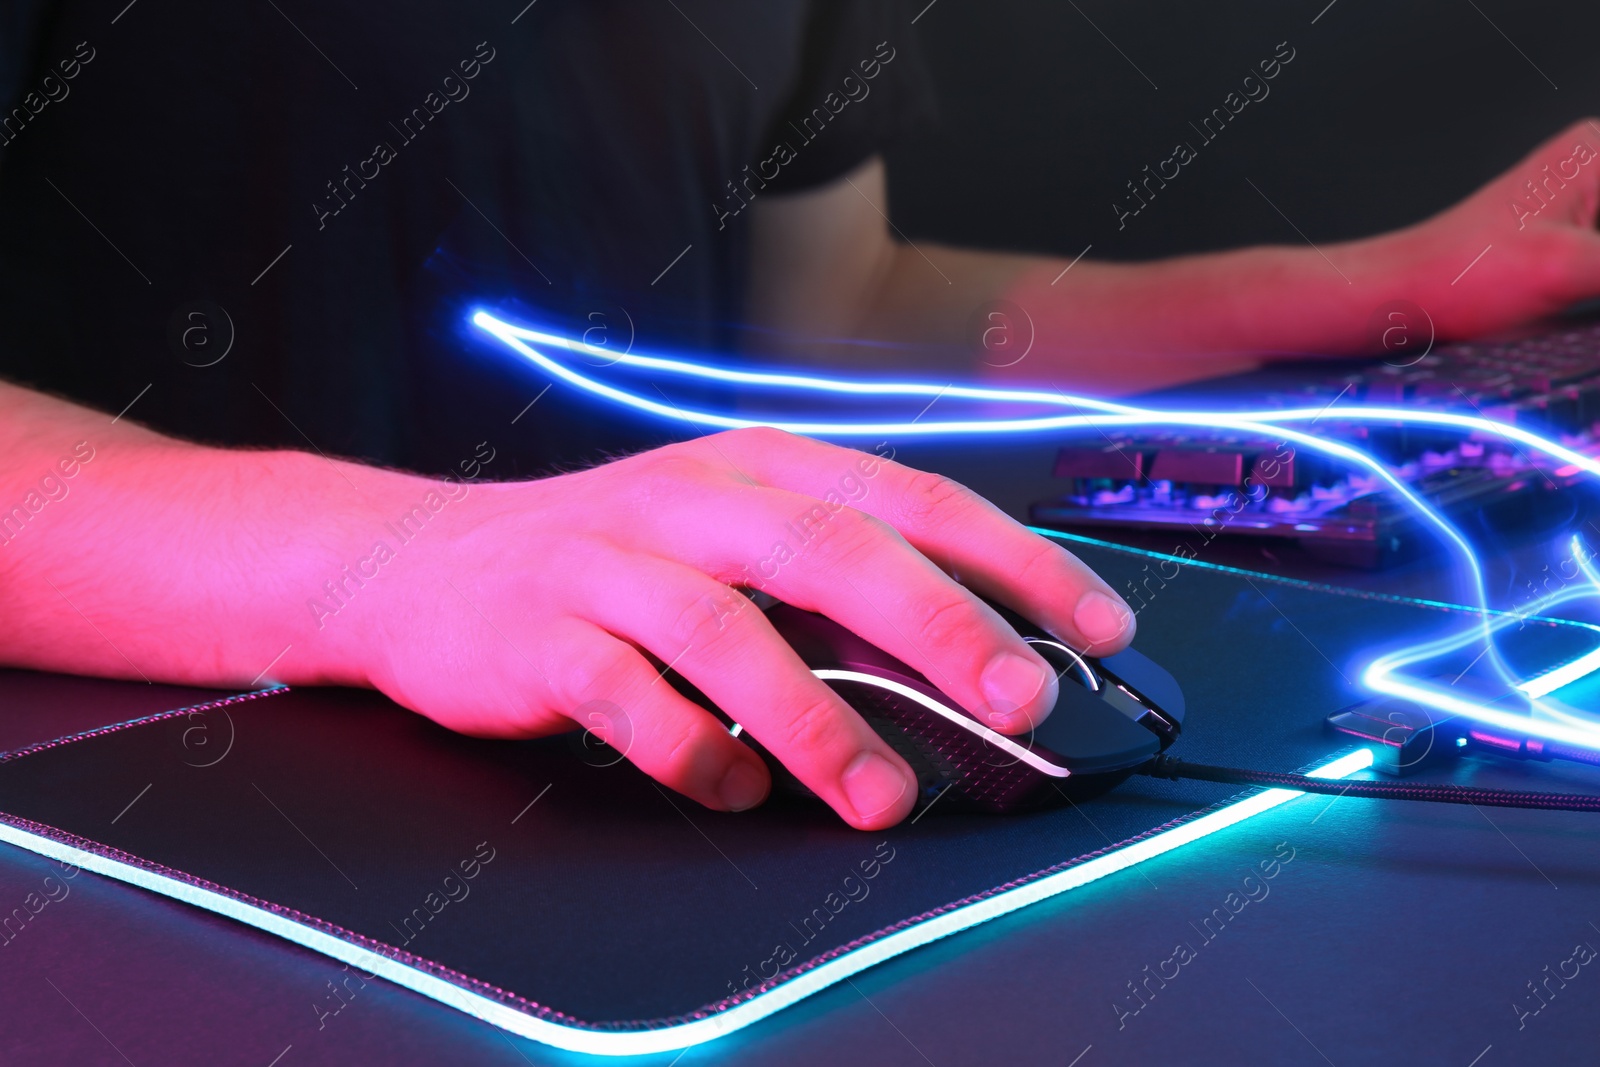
[1171,767]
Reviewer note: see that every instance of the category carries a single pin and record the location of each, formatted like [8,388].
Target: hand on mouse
[543,605]
[528,608]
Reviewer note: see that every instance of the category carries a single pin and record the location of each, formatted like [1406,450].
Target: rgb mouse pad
[552,889]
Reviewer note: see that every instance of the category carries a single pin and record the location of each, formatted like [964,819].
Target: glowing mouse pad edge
[512,1013]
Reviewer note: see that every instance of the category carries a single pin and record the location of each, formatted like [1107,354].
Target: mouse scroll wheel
[1066,662]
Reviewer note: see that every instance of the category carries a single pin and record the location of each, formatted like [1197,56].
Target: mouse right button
[1089,736]
[1147,678]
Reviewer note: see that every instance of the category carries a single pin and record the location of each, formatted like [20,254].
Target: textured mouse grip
[960,769]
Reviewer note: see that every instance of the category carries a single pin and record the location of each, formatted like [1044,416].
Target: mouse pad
[40,706]
[554,890]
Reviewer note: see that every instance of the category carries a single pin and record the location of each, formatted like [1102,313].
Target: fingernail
[1011,683]
[742,788]
[1100,618]
[873,785]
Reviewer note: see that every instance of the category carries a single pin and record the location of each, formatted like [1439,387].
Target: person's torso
[265,224]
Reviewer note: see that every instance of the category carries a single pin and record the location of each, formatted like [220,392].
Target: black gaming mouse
[1113,714]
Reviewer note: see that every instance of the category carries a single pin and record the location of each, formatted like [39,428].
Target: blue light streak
[1383,675]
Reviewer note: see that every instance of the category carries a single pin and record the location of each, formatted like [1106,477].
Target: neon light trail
[1549,719]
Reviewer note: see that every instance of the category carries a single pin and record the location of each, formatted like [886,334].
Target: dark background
[1388,113]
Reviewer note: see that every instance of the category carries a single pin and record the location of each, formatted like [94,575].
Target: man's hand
[825,265]
[531,608]
[1522,247]
[555,603]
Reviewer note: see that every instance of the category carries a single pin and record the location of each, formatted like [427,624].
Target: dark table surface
[1396,933]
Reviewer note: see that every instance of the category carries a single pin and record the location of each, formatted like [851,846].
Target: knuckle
[595,669]
[1043,565]
[856,541]
[712,622]
[929,499]
[815,725]
[948,619]
[674,466]
[730,445]
[759,436]
[679,744]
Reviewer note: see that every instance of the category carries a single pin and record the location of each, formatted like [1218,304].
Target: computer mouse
[1113,714]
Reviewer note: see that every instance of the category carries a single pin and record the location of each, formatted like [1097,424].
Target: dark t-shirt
[277,216]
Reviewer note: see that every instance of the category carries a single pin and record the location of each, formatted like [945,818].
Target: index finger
[987,550]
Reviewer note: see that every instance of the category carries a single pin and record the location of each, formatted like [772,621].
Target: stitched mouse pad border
[552,890]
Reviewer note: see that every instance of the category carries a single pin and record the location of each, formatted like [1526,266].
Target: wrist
[1236,305]
[1314,299]
[317,616]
